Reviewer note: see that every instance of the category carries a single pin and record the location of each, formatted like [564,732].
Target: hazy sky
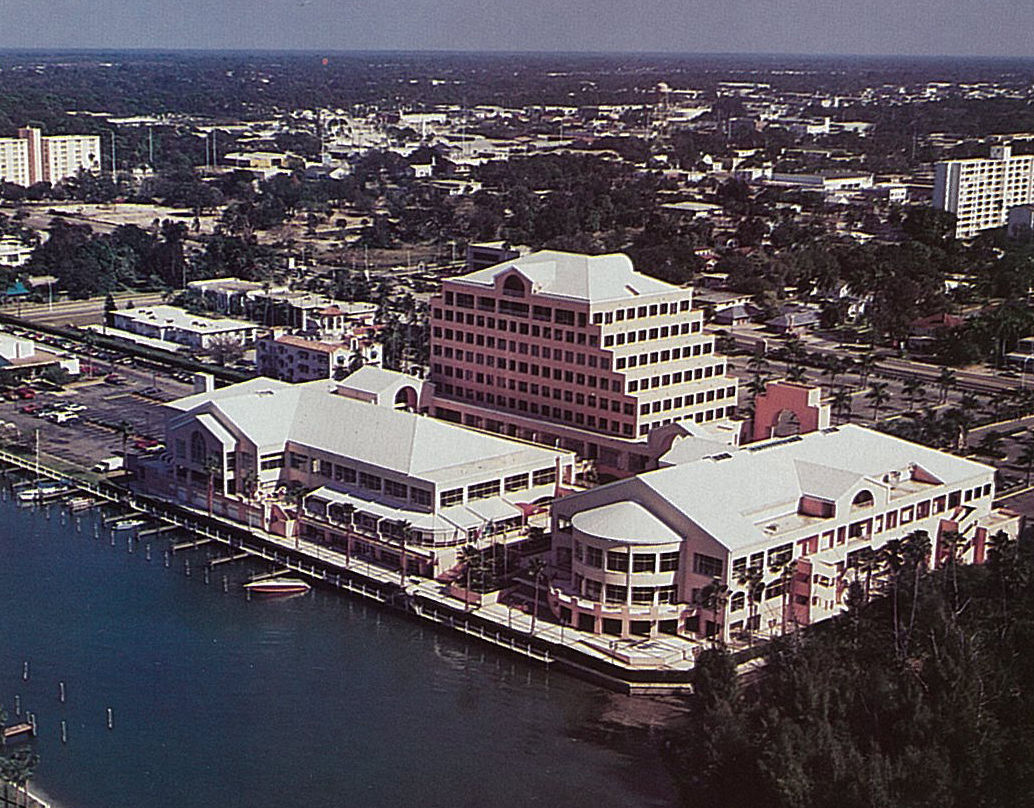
[976,27]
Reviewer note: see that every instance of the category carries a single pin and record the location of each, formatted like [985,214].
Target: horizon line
[512,52]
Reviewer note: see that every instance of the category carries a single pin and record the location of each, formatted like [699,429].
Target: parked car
[63,417]
[31,409]
[115,378]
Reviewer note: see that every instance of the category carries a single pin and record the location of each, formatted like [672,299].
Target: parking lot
[100,407]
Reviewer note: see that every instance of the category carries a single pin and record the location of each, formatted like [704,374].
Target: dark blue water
[311,701]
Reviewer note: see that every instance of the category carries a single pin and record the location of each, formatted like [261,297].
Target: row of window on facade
[661,357]
[648,334]
[618,594]
[558,374]
[703,416]
[650,310]
[523,348]
[576,417]
[861,528]
[619,560]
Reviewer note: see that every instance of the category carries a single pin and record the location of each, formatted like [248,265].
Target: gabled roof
[271,413]
[590,278]
[734,495]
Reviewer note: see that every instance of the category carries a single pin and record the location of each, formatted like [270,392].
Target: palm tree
[865,365]
[946,379]
[757,364]
[796,373]
[842,403]
[211,466]
[785,571]
[471,559]
[125,429]
[913,389]
[714,597]
[834,367]
[536,569]
[753,580]
[879,396]
[404,530]
[893,557]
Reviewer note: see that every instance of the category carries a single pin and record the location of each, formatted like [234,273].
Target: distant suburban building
[34,157]
[489,253]
[172,324]
[635,557]
[13,252]
[826,181]
[577,351]
[21,358]
[376,476]
[980,191]
[293,358]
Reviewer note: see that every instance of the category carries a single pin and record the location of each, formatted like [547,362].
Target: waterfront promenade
[651,665]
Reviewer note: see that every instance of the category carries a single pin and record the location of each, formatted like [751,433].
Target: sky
[899,27]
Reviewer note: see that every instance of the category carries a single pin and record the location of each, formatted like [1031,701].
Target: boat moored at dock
[278,586]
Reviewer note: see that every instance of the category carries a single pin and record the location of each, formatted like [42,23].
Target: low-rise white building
[636,556]
[178,326]
[375,476]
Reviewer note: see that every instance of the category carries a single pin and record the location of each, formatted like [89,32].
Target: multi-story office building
[635,557]
[980,191]
[34,157]
[578,351]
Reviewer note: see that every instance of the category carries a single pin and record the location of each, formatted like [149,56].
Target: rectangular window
[642,595]
[617,594]
[669,561]
[516,482]
[617,561]
[544,476]
[370,481]
[453,496]
[707,565]
[272,461]
[593,557]
[644,562]
[778,556]
[394,489]
[592,589]
[483,490]
[420,496]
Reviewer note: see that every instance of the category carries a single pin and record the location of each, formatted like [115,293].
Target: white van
[108,464]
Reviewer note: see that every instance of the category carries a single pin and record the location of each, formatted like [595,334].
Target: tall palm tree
[403,530]
[714,597]
[892,555]
[471,559]
[913,388]
[946,380]
[753,580]
[211,466]
[125,429]
[536,569]
[842,403]
[785,571]
[866,363]
[879,396]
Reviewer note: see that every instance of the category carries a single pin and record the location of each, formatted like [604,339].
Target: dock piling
[61,691]
[64,732]
[111,719]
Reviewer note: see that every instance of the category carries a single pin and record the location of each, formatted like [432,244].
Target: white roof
[734,495]
[371,379]
[592,278]
[271,413]
[619,520]
[180,318]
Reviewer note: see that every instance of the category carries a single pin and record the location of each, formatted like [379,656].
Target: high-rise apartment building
[34,157]
[577,351]
[981,190]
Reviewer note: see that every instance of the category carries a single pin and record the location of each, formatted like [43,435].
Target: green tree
[878,395]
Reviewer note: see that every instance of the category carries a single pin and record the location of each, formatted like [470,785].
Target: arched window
[197,448]
[863,499]
[513,286]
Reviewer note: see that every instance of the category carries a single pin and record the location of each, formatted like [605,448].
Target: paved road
[79,312]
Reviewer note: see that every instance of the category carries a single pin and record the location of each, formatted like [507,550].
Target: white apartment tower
[981,190]
[34,157]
